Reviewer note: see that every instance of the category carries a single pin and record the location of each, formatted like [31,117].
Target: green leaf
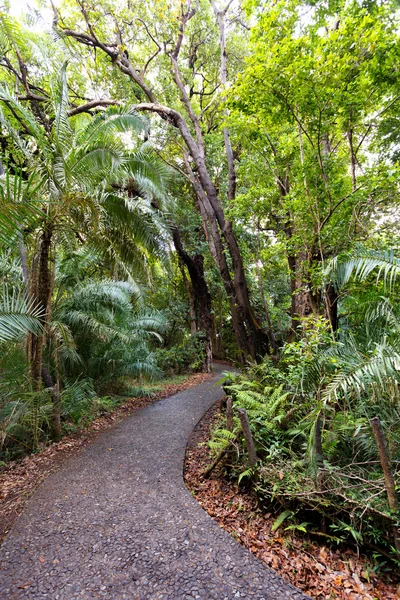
[282,517]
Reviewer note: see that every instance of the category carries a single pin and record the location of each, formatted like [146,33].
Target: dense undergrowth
[318,463]
[102,345]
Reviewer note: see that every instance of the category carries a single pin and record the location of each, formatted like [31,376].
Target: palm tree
[73,165]
[82,174]
[110,329]
[366,358]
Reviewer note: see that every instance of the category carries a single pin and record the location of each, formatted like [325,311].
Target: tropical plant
[110,329]
[311,413]
[18,314]
[74,164]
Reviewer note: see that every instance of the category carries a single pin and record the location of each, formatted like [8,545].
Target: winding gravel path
[116,522]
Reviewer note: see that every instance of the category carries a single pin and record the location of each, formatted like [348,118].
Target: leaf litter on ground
[324,573]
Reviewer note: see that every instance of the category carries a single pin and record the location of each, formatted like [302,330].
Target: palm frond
[360,372]
[19,205]
[362,263]
[63,131]
[18,315]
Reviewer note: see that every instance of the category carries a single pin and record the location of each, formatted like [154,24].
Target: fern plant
[310,414]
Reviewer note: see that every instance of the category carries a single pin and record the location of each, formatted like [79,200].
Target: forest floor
[323,573]
[20,478]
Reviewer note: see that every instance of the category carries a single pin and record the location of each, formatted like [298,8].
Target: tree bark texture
[191,297]
[248,436]
[229,414]
[200,295]
[331,298]
[302,304]
[40,288]
[387,473]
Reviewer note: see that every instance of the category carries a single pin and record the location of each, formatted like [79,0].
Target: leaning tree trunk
[199,291]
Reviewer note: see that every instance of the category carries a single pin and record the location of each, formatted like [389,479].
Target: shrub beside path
[116,522]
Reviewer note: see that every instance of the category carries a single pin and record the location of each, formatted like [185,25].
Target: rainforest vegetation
[189,181]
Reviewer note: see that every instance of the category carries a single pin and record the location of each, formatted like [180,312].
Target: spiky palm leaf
[18,315]
[110,329]
[362,263]
[19,207]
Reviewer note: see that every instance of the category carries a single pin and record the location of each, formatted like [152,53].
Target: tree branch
[90,105]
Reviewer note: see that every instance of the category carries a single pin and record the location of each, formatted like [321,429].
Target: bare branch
[220,15]
[90,105]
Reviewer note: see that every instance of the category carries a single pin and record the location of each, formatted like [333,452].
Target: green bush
[341,494]
[188,356]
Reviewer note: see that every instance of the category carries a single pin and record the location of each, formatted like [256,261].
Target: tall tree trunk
[219,251]
[192,300]
[271,334]
[304,303]
[200,293]
[41,284]
[301,301]
[41,289]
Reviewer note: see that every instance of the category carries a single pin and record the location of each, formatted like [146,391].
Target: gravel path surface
[116,522]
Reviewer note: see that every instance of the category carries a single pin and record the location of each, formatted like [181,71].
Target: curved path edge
[116,522]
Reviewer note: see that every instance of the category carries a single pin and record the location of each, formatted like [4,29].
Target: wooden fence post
[251,449]
[229,415]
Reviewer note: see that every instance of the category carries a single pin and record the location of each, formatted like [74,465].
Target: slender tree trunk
[191,298]
[353,159]
[388,475]
[41,284]
[221,15]
[331,306]
[218,252]
[41,289]
[271,334]
[302,304]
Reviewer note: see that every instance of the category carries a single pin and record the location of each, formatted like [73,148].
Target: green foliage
[18,314]
[312,105]
[24,414]
[327,387]
[186,356]
[282,517]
